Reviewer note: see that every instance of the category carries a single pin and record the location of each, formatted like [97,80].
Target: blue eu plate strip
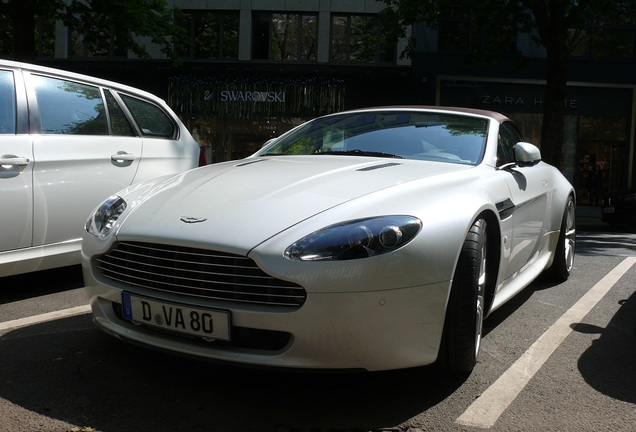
[125,298]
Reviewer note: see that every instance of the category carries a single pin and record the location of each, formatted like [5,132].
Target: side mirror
[527,154]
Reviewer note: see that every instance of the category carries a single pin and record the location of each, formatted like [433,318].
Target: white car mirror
[527,154]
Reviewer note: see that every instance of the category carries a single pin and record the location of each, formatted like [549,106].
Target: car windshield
[393,134]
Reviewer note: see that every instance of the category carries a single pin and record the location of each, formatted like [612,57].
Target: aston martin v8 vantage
[371,239]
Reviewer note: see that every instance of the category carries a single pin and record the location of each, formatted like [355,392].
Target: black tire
[563,263]
[465,311]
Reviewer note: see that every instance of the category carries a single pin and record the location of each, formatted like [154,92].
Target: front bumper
[370,330]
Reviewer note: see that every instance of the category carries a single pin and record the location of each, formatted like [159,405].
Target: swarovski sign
[248,96]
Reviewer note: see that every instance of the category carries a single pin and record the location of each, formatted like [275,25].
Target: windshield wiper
[357,152]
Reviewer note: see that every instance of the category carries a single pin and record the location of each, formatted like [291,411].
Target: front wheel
[564,254]
[465,311]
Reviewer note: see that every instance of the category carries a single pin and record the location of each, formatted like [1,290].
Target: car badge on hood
[191,220]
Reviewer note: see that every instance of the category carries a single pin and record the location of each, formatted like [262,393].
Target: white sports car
[370,239]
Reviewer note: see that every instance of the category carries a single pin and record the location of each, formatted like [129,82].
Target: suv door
[84,149]
[163,151]
[16,164]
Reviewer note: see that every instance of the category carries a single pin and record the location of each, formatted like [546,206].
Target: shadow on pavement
[609,365]
[23,286]
[70,371]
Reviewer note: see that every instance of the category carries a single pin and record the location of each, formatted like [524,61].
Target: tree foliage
[102,27]
[552,24]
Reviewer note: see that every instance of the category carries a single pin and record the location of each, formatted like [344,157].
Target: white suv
[68,141]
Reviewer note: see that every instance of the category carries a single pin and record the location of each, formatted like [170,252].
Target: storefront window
[529,125]
[596,127]
[284,37]
[232,117]
[602,153]
[212,35]
[224,139]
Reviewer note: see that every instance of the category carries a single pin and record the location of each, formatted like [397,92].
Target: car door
[166,149]
[529,193]
[85,151]
[16,164]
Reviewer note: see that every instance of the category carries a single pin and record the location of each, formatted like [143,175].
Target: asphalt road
[555,358]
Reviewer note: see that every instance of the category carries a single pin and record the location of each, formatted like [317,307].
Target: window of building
[6,37]
[45,35]
[360,39]
[284,36]
[463,30]
[44,32]
[609,36]
[212,35]
[97,42]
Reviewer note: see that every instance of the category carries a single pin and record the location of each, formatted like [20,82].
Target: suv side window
[68,107]
[7,103]
[152,120]
[118,122]
[508,137]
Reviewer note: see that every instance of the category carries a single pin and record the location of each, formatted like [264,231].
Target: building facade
[600,102]
[253,69]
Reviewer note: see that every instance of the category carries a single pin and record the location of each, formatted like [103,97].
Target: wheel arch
[493,256]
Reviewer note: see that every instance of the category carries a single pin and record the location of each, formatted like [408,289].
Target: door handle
[14,161]
[123,157]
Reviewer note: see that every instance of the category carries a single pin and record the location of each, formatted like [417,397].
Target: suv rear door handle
[14,161]
[123,157]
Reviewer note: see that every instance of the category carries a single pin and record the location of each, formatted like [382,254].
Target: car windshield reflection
[390,134]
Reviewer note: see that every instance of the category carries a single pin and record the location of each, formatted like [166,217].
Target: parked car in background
[619,208]
[67,141]
[371,239]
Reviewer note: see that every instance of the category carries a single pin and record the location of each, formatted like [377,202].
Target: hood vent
[375,167]
[249,162]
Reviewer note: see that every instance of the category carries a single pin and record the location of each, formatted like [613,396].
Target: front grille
[198,273]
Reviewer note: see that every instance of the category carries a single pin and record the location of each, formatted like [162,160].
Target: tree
[552,24]
[103,27]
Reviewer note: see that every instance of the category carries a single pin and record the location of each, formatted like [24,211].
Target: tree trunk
[553,31]
[552,134]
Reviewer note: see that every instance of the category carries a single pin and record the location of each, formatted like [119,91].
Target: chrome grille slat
[183,285]
[269,302]
[198,273]
[203,273]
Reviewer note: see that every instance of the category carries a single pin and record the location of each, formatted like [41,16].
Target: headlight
[355,239]
[101,222]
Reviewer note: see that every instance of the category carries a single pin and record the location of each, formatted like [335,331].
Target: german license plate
[207,323]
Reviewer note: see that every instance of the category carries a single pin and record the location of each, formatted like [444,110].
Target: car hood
[237,205]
